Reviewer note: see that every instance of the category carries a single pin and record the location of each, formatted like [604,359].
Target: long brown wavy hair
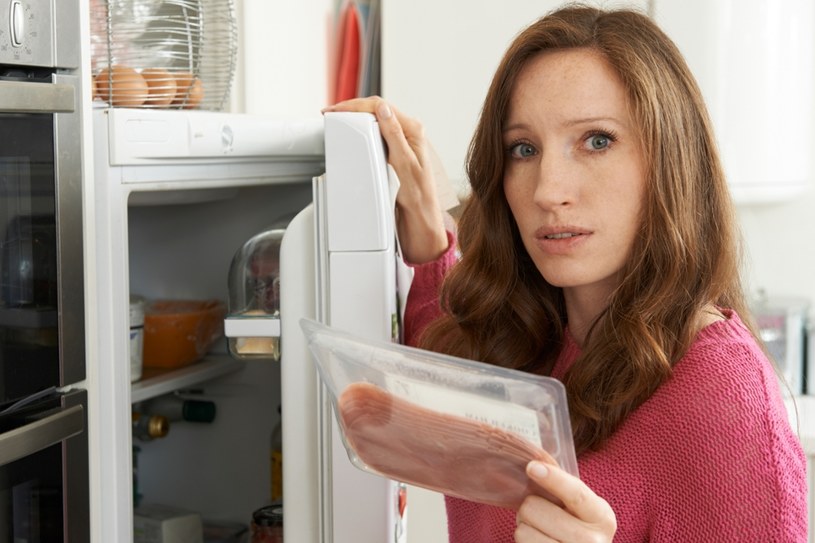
[496,305]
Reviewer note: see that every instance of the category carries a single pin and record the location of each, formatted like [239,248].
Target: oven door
[42,335]
[44,489]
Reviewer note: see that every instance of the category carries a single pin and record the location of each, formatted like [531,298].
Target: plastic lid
[136,310]
[270,515]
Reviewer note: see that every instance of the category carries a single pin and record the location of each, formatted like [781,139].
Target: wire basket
[163,54]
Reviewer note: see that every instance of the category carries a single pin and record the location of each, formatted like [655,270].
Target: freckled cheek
[516,198]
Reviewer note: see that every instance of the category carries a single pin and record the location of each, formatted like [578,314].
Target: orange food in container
[180,332]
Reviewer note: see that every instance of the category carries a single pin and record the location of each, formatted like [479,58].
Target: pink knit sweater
[710,456]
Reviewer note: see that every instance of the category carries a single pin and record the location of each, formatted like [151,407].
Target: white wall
[780,244]
[282,57]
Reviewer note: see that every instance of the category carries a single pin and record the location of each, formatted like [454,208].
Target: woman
[599,246]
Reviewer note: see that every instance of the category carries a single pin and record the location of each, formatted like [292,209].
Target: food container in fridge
[180,332]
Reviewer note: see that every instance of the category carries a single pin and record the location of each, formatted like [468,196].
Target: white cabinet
[755,63]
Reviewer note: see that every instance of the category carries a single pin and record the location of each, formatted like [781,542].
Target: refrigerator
[176,195]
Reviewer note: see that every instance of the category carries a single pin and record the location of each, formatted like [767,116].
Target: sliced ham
[447,453]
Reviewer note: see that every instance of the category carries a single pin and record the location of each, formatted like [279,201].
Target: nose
[554,186]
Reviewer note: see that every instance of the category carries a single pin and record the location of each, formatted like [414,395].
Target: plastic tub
[180,332]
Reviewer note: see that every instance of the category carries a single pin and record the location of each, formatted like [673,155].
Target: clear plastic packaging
[456,426]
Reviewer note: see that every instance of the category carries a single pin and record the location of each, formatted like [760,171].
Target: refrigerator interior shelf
[156,382]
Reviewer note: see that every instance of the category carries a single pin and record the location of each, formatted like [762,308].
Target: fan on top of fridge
[163,54]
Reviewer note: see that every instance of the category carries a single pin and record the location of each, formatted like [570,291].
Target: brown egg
[162,87]
[121,86]
[195,95]
[190,91]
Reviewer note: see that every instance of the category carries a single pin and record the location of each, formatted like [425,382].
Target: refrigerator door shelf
[253,337]
[262,326]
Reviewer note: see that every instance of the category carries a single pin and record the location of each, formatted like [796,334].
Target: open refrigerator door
[338,266]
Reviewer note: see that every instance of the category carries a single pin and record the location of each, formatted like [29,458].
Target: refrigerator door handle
[28,439]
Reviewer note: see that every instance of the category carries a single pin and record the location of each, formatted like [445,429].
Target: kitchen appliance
[783,325]
[43,442]
[178,192]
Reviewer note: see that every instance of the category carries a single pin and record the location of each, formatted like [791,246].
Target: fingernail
[538,470]
[384,111]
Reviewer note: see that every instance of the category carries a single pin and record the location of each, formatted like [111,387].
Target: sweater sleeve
[423,297]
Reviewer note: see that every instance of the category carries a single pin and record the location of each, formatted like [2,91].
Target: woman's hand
[584,516]
[419,219]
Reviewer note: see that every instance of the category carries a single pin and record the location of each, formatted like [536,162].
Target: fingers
[576,497]
[367,105]
[582,510]
[404,136]
[525,533]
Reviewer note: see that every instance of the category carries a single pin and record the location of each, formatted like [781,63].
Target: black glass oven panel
[31,504]
[29,337]
[28,362]
[31,488]
[28,241]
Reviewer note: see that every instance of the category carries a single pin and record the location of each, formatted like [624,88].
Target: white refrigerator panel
[359,216]
[353,274]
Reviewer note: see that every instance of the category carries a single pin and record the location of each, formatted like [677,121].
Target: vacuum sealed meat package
[460,427]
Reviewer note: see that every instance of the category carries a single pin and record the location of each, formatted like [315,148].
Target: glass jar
[267,525]
[254,298]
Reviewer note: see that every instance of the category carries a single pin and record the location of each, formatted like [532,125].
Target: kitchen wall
[282,57]
[779,246]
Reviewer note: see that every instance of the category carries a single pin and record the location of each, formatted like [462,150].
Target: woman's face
[575,172]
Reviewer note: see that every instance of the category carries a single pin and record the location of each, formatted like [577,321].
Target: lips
[560,232]
[562,235]
[561,240]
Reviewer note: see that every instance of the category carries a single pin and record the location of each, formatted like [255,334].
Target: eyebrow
[571,122]
[587,120]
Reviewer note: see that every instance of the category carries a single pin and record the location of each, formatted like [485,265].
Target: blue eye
[599,141]
[522,150]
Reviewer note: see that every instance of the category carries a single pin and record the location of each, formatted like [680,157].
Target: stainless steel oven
[43,442]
